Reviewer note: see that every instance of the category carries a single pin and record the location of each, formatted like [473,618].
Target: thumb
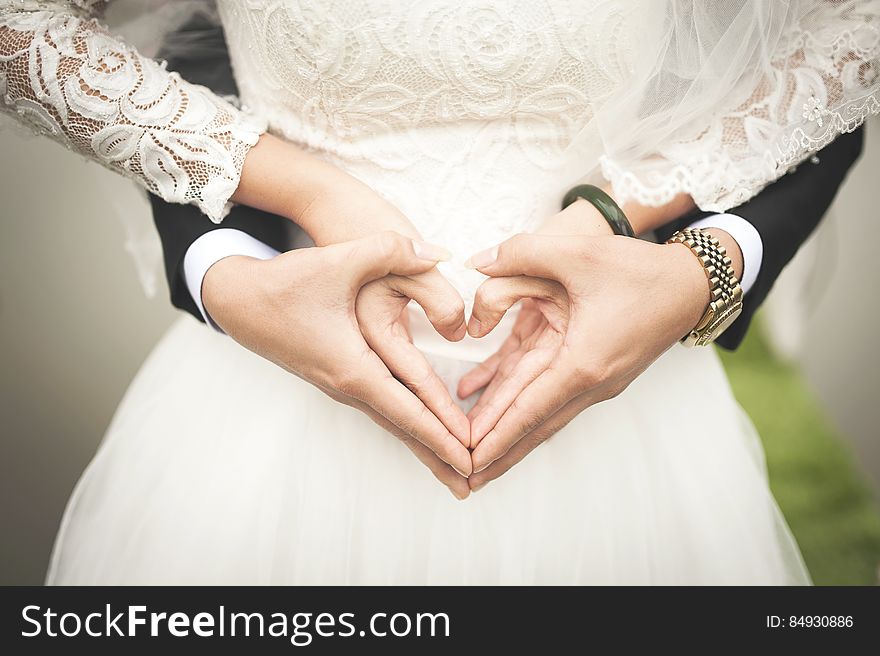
[541,256]
[440,301]
[497,295]
[384,253]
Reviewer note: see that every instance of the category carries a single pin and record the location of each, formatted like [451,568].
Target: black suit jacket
[784,214]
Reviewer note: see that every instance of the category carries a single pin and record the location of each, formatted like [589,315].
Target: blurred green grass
[813,474]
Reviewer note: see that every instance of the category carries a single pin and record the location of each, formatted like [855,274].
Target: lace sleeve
[822,79]
[63,74]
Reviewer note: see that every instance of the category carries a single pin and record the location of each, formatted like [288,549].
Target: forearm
[281,178]
[644,218]
[328,203]
[71,80]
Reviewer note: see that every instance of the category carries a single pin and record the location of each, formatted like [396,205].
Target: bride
[470,120]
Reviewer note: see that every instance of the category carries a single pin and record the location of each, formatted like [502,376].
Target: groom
[206,263]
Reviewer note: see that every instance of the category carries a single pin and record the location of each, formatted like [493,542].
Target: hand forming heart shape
[536,339]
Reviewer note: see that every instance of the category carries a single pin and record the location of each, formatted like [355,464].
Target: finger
[455,482]
[504,369]
[529,367]
[439,300]
[384,253]
[551,390]
[540,256]
[387,396]
[530,442]
[477,378]
[409,366]
[480,376]
[404,321]
[496,296]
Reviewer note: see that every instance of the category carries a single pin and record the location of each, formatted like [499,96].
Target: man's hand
[299,311]
[381,314]
[609,306]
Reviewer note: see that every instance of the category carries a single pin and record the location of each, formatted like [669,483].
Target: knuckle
[538,439]
[615,391]
[336,257]
[517,241]
[491,293]
[590,374]
[450,312]
[582,248]
[445,452]
[415,382]
[508,249]
[409,424]
[347,382]
[506,368]
[483,296]
[388,243]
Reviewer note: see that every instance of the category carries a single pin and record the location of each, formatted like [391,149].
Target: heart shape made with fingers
[536,339]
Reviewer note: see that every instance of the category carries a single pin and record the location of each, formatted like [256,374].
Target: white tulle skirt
[221,468]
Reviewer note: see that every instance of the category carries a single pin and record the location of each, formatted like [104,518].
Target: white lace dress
[473,118]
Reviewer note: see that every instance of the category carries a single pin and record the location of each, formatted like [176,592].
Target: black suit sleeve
[785,214]
[198,52]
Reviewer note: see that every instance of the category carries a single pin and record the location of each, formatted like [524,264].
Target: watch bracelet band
[726,294]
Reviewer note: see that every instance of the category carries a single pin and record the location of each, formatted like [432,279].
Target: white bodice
[458,112]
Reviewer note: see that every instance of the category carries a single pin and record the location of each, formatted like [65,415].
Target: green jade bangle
[606,206]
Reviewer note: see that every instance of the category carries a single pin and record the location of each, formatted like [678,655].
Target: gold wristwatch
[725,303]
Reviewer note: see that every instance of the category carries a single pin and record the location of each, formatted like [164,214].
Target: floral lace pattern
[823,81]
[67,78]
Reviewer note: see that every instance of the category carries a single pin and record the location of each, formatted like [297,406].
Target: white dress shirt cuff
[748,238]
[212,247]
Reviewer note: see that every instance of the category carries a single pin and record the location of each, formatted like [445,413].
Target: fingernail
[482,259]
[477,470]
[428,251]
[473,327]
[460,471]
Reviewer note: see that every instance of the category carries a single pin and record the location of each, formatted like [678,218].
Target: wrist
[228,285]
[725,293]
[579,218]
[644,219]
[280,178]
[690,291]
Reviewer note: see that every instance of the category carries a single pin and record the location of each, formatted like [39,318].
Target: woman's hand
[334,207]
[610,306]
[298,311]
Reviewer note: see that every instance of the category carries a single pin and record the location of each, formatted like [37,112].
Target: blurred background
[75,325]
